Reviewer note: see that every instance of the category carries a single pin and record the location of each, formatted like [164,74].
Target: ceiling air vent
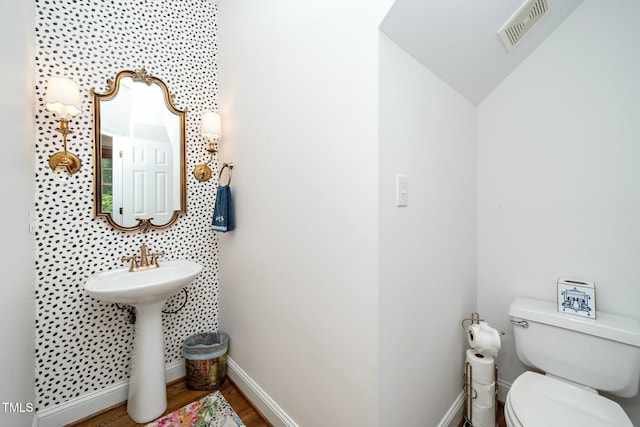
[529,14]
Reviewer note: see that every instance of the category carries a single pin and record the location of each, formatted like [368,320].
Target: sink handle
[154,258]
[134,262]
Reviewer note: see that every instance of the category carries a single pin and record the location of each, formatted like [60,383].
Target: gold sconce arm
[202,172]
[64,159]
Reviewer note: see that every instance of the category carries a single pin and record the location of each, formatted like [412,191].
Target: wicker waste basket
[206,360]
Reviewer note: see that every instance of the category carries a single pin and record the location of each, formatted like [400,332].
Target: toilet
[574,358]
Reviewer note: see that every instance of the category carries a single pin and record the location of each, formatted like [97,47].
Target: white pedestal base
[147,386]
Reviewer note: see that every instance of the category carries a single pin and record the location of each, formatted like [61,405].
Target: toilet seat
[536,400]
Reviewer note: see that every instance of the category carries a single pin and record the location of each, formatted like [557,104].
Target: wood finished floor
[177,397]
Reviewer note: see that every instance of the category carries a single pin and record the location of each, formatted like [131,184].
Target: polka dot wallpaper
[82,344]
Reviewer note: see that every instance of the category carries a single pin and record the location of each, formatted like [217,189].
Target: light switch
[402,190]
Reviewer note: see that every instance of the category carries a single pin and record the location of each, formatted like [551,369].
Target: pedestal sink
[147,291]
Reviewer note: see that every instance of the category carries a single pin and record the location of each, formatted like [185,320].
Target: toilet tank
[602,353]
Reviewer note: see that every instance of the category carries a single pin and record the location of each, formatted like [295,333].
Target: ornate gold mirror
[139,153]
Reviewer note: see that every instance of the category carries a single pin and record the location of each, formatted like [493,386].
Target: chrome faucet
[145,263]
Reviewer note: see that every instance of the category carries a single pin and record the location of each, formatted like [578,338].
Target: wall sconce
[211,131]
[63,99]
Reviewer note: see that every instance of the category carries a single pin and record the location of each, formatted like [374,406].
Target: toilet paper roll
[484,394]
[484,338]
[482,416]
[473,333]
[482,367]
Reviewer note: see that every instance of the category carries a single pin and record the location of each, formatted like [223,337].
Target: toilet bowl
[537,400]
[578,357]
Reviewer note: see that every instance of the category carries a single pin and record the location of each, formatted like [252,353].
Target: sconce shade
[210,125]
[63,97]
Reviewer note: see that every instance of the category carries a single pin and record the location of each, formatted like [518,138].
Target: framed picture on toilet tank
[577,298]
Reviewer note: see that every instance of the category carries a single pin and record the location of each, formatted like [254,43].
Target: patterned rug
[212,410]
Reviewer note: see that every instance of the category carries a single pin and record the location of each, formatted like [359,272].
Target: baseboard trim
[503,389]
[269,408]
[88,404]
[456,411]
[454,414]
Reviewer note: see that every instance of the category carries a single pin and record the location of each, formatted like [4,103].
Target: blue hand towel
[231,223]
[223,210]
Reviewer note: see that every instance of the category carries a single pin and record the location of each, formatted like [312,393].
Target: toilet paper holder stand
[469,392]
[473,320]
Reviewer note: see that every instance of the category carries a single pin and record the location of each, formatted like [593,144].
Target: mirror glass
[139,152]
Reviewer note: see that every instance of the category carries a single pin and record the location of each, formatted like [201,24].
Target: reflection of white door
[144,176]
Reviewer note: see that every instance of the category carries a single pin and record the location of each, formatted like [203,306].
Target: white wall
[16,250]
[299,276]
[558,176]
[428,248]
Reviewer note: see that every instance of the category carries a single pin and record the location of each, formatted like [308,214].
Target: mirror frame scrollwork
[113,86]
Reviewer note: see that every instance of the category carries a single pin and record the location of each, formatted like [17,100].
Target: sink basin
[144,286]
[147,291]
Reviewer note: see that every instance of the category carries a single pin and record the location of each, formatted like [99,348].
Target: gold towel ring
[225,165]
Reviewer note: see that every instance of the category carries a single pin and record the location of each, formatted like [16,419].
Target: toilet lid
[540,401]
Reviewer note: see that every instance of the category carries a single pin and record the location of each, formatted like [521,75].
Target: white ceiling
[458,41]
